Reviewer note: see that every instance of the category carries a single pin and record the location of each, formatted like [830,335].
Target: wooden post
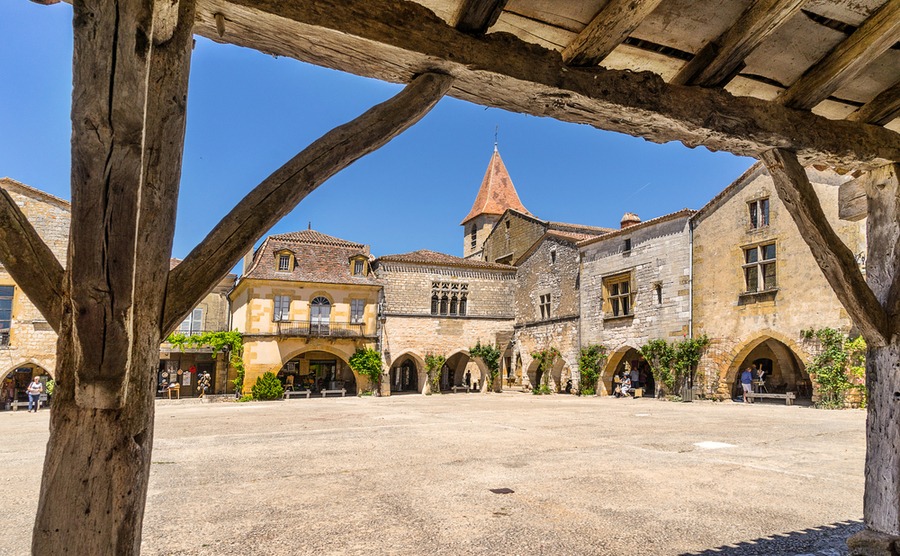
[873,306]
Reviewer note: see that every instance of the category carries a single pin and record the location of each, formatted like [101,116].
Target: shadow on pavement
[825,540]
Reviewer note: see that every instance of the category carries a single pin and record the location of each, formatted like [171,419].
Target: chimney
[629,219]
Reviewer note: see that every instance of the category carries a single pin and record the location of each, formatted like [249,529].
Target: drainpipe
[691,278]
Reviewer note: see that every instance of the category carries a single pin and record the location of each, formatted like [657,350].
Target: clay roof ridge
[427,256]
[314,237]
[496,193]
[645,224]
[589,229]
[7,180]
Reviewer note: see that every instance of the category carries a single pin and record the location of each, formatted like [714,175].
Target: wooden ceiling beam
[882,109]
[877,34]
[477,16]
[394,41]
[612,25]
[717,62]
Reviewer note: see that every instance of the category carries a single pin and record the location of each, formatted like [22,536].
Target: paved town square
[414,475]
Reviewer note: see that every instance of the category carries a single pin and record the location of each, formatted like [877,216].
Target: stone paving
[480,474]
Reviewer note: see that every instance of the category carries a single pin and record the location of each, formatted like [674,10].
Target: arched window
[444,302]
[435,304]
[454,305]
[462,306]
[320,315]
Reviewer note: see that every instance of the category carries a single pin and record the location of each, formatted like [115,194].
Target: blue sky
[249,112]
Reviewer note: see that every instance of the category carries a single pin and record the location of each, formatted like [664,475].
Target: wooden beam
[834,257]
[477,16]
[612,25]
[278,194]
[883,239]
[393,40]
[882,109]
[877,34]
[852,202]
[30,262]
[717,62]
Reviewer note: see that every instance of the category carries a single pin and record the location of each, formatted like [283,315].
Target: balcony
[307,329]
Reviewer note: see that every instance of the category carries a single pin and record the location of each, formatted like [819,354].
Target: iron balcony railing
[315,329]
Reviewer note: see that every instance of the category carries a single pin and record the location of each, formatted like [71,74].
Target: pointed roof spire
[497,192]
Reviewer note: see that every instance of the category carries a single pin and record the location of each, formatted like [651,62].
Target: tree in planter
[267,387]
[433,366]
[590,364]
[490,356]
[117,297]
[545,358]
[367,362]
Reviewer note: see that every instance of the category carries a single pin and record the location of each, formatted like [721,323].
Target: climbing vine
[590,363]
[433,365]
[367,362]
[490,355]
[672,364]
[545,358]
[217,341]
[839,368]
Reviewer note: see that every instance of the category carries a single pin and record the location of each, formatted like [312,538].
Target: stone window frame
[616,302]
[284,260]
[553,256]
[545,304]
[756,264]
[358,266]
[449,299]
[758,212]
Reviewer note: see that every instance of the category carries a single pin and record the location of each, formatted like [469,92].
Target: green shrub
[838,368]
[590,363]
[367,362]
[246,398]
[433,365]
[490,355]
[267,387]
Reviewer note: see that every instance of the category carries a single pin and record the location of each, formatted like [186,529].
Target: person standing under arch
[34,390]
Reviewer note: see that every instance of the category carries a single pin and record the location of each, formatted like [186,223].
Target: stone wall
[737,322]
[513,235]
[659,264]
[32,342]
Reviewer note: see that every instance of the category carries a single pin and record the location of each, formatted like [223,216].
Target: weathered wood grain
[477,16]
[882,188]
[878,33]
[612,25]
[128,115]
[278,194]
[882,109]
[394,40]
[833,256]
[720,60]
[30,262]
[852,201]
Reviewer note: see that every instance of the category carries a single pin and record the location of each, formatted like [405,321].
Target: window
[319,314]
[358,267]
[759,213]
[474,242]
[435,304]
[759,268]
[619,294]
[282,308]
[193,324]
[6,300]
[449,298]
[627,244]
[357,306]
[658,288]
[462,305]
[553,256]
[284,263]
[545,306]
[445,304]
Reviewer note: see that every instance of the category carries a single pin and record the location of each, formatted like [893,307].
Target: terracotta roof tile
[316,238]
[424,256]
[318,258]
[496,193]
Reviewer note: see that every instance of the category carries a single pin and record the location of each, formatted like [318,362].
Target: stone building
[27,342]
[756,284]
[547,309]
[305,303]
[212,314]
[635,287]
[495,195]
[438,304]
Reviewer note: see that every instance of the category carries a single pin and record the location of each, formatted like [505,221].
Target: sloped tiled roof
[9,183]
[579,228]
[424,256]
[685,212]
[496,193]
[319,258]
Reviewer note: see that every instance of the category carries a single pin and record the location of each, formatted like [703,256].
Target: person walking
[35,389]
[747,382]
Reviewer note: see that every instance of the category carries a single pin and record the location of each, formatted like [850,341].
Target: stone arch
[343,355]
[13,384]
[418,362]
[607,387]
[458,363]
[29,362]
[789,355]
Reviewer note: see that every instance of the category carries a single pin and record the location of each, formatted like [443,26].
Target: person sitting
[625,386]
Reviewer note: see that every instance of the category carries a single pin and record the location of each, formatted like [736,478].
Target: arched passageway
[317,371]
[776,369]
[15,383]
[404,375]
[462,371]
[628,361]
